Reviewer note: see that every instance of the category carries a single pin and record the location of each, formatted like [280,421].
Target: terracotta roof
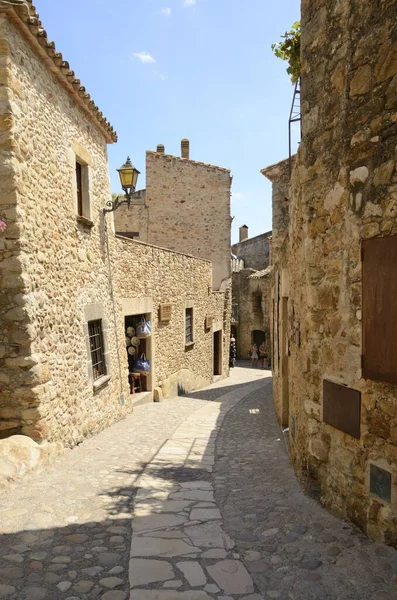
[195,162]
[26,18]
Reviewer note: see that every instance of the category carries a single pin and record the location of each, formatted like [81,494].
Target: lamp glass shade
[128,175]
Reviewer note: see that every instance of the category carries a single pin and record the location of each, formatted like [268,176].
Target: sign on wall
[342,407]
[165,312]
[208,322]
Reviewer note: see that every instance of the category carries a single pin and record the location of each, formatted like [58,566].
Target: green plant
[289,50]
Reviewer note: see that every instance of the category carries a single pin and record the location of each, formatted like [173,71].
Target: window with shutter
[379,309]
[83,193]
[97,348]
[79,182]
[189,326]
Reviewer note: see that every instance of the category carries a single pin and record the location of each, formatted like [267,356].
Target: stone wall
[279,175]
[183,281]
[254,251]
[187,209]
[59,271]
[59,264]
[134,219]
[343,190]
[245,284]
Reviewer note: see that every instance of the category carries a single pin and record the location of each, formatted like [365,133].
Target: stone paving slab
[193,499]
[66,531]
[193,546]
[291,546]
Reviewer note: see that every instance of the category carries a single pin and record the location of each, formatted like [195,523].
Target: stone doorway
[284,363]
[217,349]
[258,337]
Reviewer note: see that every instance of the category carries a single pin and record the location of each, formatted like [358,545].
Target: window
[379,309]
[83,193]
[189,326]
[95,336]
[79,183]
[257,301]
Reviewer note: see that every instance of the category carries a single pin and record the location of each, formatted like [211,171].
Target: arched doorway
[258,336]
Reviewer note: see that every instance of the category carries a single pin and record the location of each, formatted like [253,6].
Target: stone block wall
[187,209]
[59,271]
[343,190]
[245,284]
[182,281]
[54,265]
[254,251]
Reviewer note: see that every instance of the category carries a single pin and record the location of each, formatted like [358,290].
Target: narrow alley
[191,499]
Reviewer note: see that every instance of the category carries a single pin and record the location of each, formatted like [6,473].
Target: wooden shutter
[379,314]
[79,181]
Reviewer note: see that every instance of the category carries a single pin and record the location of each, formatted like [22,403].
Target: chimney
[243,233]
[185,148]
[160,148]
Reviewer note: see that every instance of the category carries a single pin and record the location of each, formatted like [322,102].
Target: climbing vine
[289,50]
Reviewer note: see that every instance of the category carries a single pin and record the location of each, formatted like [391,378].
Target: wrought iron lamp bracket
[112,205]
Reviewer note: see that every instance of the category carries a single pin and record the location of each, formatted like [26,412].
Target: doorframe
[217,331]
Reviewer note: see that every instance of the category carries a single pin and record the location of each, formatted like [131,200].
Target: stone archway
[258,336]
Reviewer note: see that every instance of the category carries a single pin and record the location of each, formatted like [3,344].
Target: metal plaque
[165,312]
[342,407]
[380,483]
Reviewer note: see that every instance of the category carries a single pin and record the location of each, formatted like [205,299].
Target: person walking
[233,352]
[254,355]
[263,355]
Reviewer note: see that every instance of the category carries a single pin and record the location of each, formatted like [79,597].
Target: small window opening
[189,326]
[257,301]
[97,349]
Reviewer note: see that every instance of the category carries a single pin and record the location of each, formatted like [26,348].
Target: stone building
[70,287]
[184,207]
[334,256]
[251,290]
[253,251]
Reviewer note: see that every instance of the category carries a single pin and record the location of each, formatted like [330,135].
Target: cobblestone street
[191,499]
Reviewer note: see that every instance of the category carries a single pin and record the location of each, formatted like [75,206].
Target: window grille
[189,326]
[97,349]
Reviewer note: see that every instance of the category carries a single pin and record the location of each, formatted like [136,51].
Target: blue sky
[202,69]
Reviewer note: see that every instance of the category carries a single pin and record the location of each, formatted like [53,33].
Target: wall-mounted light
[128,178]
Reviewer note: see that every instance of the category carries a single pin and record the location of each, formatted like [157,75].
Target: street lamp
[128,177]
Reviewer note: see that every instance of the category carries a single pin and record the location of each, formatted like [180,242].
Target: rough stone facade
[251,292]
[186,208]
[251,303]
[254,251]
[59,270]
[164,276]
[342,191]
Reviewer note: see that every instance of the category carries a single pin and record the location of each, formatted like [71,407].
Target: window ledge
[189,345]
[84,221]
[101,382]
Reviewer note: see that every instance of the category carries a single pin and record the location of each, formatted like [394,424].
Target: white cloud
[189,2]
[166,11]
[144,57]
